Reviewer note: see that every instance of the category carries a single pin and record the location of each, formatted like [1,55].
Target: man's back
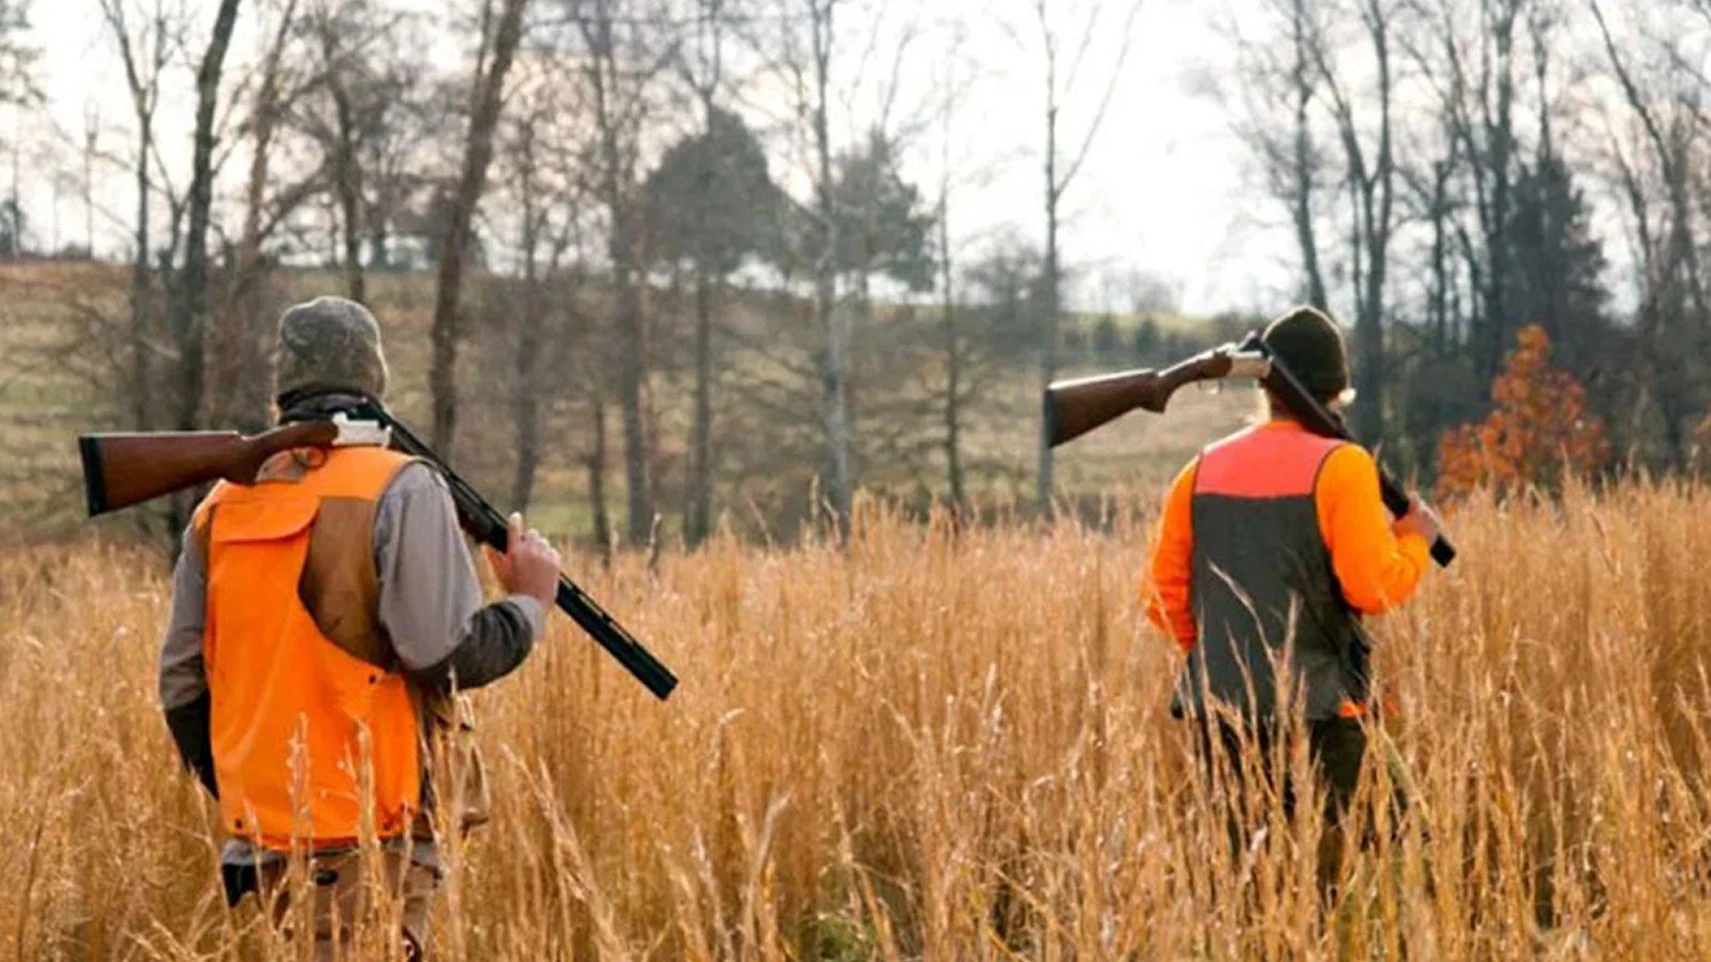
[1273,537]
[307,705]
[1263,584]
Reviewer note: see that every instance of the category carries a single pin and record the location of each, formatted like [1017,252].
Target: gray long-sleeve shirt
[430,605]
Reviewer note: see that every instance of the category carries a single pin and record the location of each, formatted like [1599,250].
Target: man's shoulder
[415,495]
[414,476]
[1346,465]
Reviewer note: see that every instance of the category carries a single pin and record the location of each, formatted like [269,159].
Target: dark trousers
[1337,746]
[1244,759]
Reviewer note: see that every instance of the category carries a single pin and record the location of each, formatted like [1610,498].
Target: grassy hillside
[62,328]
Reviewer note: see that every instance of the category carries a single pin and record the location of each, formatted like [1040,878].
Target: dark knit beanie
[1311,346]
[329,344]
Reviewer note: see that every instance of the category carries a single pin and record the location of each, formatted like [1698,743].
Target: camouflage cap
[329,343]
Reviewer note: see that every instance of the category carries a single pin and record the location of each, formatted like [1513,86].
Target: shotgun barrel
[486,525]
[120,470]
[1284,386]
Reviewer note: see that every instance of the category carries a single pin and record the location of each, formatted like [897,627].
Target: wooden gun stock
[1073,408]
[120,470]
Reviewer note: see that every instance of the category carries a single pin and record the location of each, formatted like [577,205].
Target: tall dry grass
[948,747]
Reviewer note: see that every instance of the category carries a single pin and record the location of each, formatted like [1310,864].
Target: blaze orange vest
[1271,614]
[315,731]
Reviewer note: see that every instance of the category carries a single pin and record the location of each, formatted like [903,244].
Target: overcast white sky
[1162,190]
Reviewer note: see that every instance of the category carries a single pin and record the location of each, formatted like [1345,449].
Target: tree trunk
[1500,136]
[698,512]
[1049,300]
[142,387]
[616,186]
[1377,210]
[597,483]
[1301,211]
[834,363]
[478,153]
[698,501]
[89,190]
[1369,374]
[632,371]
[190,312]
[347,182]
[525,389]
[1440,284]
[237,399]
[379,256]
[953,358]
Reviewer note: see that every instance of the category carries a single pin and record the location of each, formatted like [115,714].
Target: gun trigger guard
[355,433]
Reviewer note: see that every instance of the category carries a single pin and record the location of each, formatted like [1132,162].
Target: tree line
[614,150]
[1456,171]
[606,193]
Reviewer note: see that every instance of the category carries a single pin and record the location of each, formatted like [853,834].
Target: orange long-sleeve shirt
[1377,568]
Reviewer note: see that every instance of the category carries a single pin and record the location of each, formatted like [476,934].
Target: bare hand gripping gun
[120,470]
[1073,408]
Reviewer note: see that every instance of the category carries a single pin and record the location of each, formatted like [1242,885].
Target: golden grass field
[944,747]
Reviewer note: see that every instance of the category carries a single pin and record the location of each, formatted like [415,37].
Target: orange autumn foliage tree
[1537,432]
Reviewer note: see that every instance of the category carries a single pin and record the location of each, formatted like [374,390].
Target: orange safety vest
[1269,610]
[315,731]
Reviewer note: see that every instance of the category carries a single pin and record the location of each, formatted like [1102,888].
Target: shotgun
[120,470]
[1073,408]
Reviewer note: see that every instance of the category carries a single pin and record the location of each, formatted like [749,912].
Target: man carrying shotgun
[1273,543]
[320,619]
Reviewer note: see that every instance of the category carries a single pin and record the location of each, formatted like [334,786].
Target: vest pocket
[274,519]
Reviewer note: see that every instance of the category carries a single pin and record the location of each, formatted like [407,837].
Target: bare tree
[1673,309]
[1279,89]
[952,336]
[1476,84]
[399,125]
[834,362]
[17,57]
[365,84]
[336,28]
[623,50]
[498,47]
[235,341]
[1064,56]
[187,319]
[91,152]
[547,202]
[144,50]
[706,74]
[1370,173]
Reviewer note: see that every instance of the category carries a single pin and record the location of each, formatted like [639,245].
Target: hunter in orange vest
[1273,545]
[320,619]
